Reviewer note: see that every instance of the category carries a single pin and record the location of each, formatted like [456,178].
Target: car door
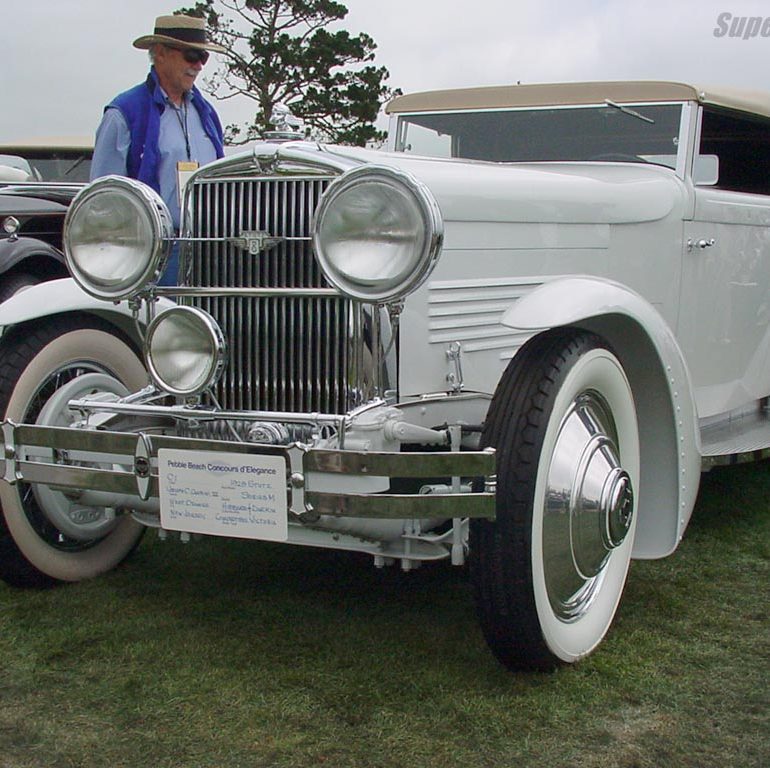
[724,318]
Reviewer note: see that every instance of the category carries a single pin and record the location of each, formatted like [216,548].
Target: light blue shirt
[113,139]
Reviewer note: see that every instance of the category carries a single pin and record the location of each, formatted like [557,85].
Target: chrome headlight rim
[210,333]
[427,209]
[161,236]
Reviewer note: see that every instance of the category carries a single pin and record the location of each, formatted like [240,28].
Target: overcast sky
[62,60]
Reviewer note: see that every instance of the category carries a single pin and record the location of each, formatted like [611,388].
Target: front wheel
[45,535]
[549,572]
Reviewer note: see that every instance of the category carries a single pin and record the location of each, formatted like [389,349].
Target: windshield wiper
[76,164]
[627,111]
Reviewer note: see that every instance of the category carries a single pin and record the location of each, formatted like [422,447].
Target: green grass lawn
[234,654]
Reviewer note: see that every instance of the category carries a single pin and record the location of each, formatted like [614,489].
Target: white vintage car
[516,337]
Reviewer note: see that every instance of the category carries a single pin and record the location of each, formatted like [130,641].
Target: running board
[736,440]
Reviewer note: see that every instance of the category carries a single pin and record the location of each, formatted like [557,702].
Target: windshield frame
[399,122]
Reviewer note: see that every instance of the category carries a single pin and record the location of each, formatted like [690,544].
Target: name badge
[183,172]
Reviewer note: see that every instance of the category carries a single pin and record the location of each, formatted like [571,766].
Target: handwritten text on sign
[223,494]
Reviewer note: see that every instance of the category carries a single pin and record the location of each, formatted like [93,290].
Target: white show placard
[223,494]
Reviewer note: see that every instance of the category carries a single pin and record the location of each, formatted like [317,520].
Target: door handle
[702,243]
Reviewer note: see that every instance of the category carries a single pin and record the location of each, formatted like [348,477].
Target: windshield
[608,133]
[68,165]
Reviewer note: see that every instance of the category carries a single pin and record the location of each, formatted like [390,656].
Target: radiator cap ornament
[287,126]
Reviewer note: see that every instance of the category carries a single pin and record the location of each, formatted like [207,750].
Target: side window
[742,144]
[421,140]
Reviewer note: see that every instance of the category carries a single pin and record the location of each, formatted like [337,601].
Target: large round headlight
[117,236]
[377,233]
[185,350]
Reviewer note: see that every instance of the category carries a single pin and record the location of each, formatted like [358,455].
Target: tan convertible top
[546,94]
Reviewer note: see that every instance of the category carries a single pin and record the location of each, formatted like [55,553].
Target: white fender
[61,296]
[660,379]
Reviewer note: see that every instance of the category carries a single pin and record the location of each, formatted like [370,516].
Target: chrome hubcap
[74,520]
[589,506]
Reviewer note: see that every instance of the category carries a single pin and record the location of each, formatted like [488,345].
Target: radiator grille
[287,353]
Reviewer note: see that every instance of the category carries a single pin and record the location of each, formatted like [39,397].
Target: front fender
[30,249]
[662,388]
[64,296]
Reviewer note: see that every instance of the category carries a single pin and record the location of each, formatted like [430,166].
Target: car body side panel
[724,326]
[487,266]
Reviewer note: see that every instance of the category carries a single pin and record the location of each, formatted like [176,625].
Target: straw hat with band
[180,32]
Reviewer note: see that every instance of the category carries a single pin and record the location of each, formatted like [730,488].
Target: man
[160,130]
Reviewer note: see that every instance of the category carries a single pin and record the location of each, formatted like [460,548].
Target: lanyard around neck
[183,125]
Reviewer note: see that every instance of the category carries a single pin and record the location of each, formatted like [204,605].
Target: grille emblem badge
[256,241]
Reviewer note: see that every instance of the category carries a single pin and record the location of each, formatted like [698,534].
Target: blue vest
[142,106]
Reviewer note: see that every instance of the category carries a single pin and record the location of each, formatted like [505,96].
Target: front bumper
[120,470]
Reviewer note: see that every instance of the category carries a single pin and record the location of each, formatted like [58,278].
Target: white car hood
[575,193]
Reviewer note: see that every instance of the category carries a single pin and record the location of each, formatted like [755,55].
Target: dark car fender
[36,257]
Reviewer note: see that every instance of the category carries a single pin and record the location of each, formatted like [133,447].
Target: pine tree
[280,51]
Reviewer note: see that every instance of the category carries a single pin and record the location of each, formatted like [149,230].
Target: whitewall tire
[44,538]
[549,572]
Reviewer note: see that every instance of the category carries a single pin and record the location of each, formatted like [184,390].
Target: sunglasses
[192,55]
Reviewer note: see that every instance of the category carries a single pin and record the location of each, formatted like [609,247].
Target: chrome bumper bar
[124,465]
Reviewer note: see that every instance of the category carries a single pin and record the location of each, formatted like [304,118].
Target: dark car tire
[34,365]
[549,572]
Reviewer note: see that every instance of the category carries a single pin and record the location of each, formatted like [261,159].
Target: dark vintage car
[31,220]
[38,179]
[58,159]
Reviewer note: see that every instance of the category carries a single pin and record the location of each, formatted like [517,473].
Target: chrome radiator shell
[294,344]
